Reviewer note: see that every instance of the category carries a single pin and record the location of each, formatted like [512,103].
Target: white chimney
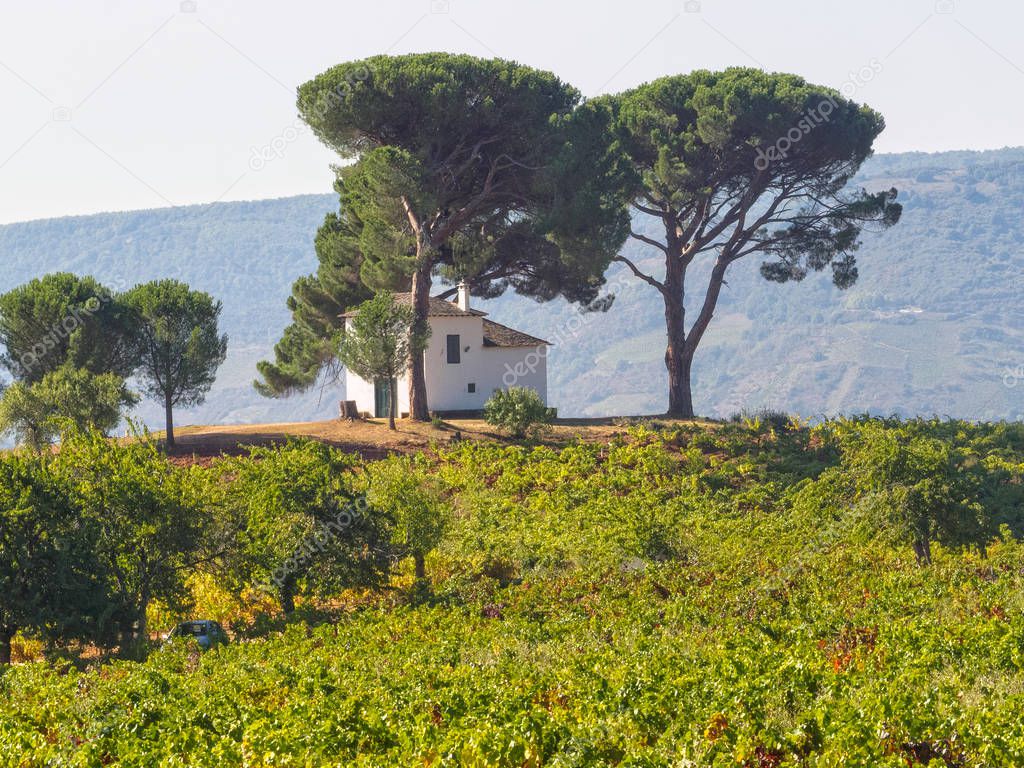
[462,302]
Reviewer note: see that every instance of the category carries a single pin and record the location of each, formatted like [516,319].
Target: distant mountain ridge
[935,325]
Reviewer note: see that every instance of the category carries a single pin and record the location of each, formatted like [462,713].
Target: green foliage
[62,319]
[518,410]
[37,413]
[742,162]
[480,169]
[147,517]
[379,340]
[309,344]
[664,596]
[48,571]
[908,484]
[294,524]
[499,171]
[413,501]
[176,343]
[714,137]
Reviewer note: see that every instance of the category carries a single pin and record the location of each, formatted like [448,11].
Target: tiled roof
[498,335]
[438,307]
[495,334]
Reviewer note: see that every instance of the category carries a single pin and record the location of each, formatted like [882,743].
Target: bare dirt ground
[372,439]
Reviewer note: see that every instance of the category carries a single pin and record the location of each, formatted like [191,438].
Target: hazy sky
[121,105]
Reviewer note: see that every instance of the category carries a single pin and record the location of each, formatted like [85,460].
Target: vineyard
[757,593]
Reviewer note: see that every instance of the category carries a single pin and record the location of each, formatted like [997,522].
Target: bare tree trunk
[680,400]
[418,408]
[169,418]
[6,636]
[923,551]
[392,402]
[421,566]
[287,596]
[681,386]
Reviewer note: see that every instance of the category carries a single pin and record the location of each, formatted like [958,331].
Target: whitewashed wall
[490,368]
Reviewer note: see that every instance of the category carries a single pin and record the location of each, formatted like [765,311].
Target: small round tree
[379,341]
[178,346]
[413,500]
[35,413]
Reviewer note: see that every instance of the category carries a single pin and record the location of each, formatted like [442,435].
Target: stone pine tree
[743,163]
[378,342]
[473,169]
[309,344]
[178,345]
[62,319]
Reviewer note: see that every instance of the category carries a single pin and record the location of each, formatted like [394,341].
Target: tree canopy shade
[62,318]
[177,344]
[379,340]
[741,162]
[483,170]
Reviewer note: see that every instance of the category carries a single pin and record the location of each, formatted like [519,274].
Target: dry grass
[371,438]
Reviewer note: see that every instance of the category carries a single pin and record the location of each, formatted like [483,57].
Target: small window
[471,387]
[454,351]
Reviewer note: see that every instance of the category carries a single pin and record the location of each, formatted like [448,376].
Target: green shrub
[517,410]
[709,595]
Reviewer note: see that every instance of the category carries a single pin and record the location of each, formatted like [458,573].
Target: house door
[381,398]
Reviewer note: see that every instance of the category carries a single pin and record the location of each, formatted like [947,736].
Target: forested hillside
[934,326]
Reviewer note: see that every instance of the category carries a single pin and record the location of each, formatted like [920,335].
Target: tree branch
[645,277]
[650,241]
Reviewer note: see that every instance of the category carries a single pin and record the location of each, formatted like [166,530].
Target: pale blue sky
[122,105]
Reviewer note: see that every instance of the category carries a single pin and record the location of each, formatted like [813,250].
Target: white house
[467,359]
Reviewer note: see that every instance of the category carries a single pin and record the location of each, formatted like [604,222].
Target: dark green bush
[517,410]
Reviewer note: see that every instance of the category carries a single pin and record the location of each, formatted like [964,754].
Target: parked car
[207,633]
